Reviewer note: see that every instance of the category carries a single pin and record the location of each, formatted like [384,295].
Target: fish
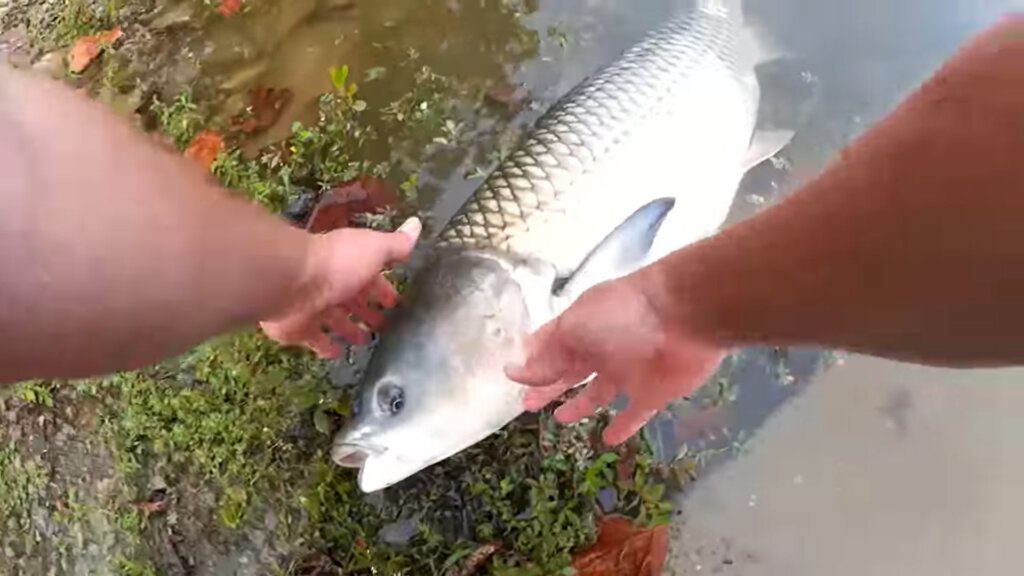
[640,159]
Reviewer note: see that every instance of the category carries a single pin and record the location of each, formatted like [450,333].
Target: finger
[628,422]
[288,333]
[337,321]
[382,292]
[547,361]
[323,346]
[598,394]
[537,398]
[360,309]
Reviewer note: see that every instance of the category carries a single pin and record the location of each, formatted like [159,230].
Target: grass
[219,413]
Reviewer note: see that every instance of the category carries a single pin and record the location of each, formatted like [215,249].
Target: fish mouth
[351,455]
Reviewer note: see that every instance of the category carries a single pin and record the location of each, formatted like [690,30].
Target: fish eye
[391,398]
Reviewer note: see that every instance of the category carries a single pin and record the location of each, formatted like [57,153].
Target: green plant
[180,120]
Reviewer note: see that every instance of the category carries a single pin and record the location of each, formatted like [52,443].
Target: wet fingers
[597,394]
[629,421]
[537,398]
[337,321]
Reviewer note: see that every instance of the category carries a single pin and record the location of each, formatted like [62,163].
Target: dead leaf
[511,96]
[267,106]
[623,549]
[360,196]
[626,465]
[205,147]
[229,8]
[475,561]
[152,507]
[87,48]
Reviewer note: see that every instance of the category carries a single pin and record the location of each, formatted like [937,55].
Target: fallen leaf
[626,465]
[623,549]
[510,96]
[475,561]
[87,48]
[152,507]
[228,8]
[205,147]
[267,106]
[337,207]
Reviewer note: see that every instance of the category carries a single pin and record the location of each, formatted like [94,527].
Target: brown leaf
[626,465]
[511,96]
[623,549]
[87,48]
[152,507]
[267,106]
[475,561]
[229,8]
[205,147]
[362,195]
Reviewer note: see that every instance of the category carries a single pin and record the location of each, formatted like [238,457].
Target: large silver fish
[638,160]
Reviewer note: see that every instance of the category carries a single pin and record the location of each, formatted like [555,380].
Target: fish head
[436,384]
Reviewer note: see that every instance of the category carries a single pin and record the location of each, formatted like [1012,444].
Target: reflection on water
[847,64]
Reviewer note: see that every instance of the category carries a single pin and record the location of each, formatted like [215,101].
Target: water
[847,64]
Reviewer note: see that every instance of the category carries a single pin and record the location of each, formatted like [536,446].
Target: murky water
[847,64]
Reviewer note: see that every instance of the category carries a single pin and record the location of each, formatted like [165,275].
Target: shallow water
[847,64]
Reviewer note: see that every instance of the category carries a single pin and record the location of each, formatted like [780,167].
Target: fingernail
[412,227]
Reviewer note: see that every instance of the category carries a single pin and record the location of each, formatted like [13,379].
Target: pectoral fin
[622,251]
[764,145]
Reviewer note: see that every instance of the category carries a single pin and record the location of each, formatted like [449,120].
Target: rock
[300,207]
[608,500]
[15,47]
[399,533]
[51,64]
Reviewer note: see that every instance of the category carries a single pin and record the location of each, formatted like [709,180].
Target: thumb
[403,240]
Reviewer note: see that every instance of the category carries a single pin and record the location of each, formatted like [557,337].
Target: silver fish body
[640,159]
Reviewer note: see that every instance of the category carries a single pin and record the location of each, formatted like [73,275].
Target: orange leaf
[228,8]
[87,48]
[362,195]
[205,147]
[623,549]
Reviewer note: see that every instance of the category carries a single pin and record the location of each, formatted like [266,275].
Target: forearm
[910,245]
[116,253]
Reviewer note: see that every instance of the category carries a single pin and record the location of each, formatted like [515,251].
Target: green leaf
[339,77]
[322,422]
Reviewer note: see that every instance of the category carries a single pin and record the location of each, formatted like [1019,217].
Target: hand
[614,331]
[342,278]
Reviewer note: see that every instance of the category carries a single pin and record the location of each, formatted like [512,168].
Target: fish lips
[377,468]
[349,455]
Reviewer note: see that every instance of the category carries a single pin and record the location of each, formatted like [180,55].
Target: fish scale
[535,182]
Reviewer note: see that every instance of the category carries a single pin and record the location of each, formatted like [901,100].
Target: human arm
[115,253]
[909,245]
